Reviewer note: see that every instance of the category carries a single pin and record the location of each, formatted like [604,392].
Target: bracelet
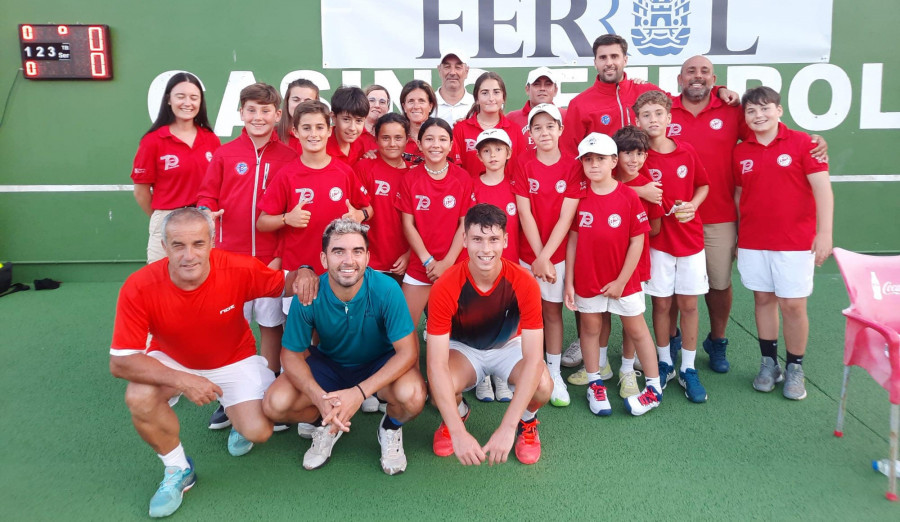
[362,392]
[306,266]
[283,222]
[365,215]
[202,207]
[429,260]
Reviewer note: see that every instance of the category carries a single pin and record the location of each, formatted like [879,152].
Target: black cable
[9,95]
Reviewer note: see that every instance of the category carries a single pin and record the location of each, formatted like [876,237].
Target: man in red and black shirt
[485,318]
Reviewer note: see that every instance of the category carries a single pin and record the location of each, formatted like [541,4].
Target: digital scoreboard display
[65,52]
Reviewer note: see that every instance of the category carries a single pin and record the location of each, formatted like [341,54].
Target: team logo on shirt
[656,174]
[715,124]
[382,188]
[241,168]
[170,161]
[586,219]
[674,129]
[605,119]
[423,202]
[335,194]
[746,166]
[681,172]
[208,156]
[511,208]
[614,220]
[470,145]
[784,160]
[533,186]
[560,186]
[449,202]
[306,194]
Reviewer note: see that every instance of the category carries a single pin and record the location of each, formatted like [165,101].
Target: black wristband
[362,392]
[365,215]
[307,266]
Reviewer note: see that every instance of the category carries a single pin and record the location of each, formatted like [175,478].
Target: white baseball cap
[534,74]
[494,134]
[598,144]
[549,108]
[455,52]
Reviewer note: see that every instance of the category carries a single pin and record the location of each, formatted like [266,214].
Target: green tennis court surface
[70,452]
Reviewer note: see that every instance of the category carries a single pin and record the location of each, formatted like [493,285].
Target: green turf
[70,452]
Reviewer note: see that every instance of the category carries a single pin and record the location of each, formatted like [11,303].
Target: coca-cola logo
[890,288]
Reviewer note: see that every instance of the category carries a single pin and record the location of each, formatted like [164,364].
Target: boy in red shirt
[607,280]
[785,208]
[492,186]
[548,186]
[310,192]
[677,259]
[349,108]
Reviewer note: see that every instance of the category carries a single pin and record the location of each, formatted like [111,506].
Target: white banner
[413,34]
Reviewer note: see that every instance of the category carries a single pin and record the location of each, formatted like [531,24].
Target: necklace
[437,172]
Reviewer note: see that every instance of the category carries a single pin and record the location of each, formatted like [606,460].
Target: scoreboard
[65,52]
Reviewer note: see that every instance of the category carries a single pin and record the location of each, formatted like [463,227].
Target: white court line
[852,178]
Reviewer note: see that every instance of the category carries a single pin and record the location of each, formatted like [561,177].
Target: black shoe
[219,419]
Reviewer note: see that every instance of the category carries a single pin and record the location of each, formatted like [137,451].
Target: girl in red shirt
[418,102]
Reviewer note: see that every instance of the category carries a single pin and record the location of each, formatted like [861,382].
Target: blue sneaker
[716,350]
[690,381]
[675,346]
[175,482]
[237,444]
[666,374]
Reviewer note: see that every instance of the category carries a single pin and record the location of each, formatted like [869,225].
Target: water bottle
[883,465]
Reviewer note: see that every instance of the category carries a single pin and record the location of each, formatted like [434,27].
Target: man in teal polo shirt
[367,346]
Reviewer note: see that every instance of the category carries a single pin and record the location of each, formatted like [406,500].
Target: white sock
[603,358]
[175,458]
[663,353]
[462,408]
[654,381]
[687,359]
[593,376]
[627,365]
[553,363]
[528,415]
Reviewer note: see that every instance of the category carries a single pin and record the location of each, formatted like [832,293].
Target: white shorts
[498,362]
[410,280]
[552,292]
[155,250]
[671,275]
[266,310]
[245,380]
[789,274]
[628,306]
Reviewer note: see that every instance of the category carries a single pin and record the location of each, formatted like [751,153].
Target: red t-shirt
[713,134]
[173,168]
[653,212]
[680,173]
[334,150]
[466,132]
[778,210]
[203,328]
[605,225]
[602,107]
[436,206]
[236,181]
[519,119]
[386,240]
[502,197]
[484,320]
[325,191]
[546,186]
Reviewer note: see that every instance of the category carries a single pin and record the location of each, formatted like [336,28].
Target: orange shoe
[443,444]
[528,442]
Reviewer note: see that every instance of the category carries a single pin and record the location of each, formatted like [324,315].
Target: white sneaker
[370,405]
[305,430]
[322,443]
[393,460]
[501,390]
[483,390]
[560,395]
[598,400]
[572,356]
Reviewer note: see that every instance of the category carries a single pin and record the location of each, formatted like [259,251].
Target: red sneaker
[443,444]
[528,442]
